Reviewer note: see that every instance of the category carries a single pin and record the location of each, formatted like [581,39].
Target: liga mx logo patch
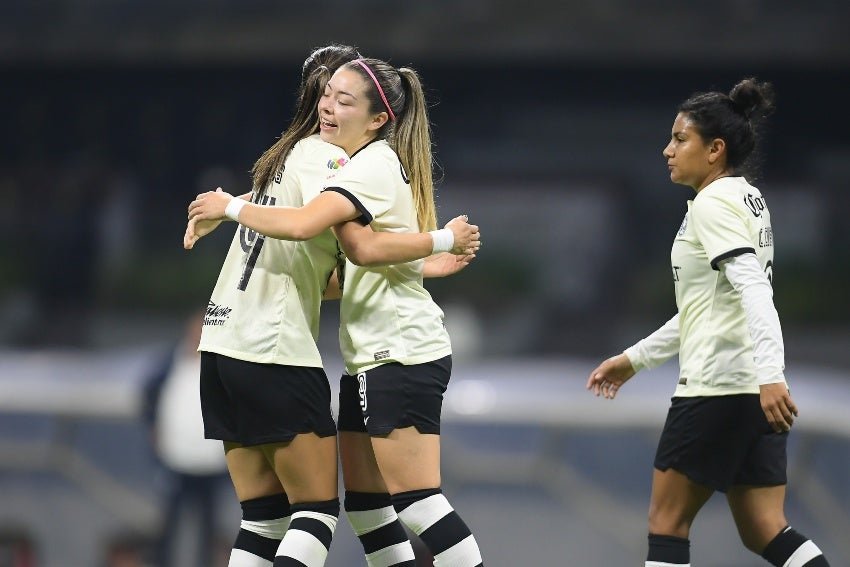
[337,163]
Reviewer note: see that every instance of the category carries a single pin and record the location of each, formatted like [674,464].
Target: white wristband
[444,240]
[232,209]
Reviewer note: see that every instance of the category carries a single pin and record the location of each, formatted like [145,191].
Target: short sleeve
[720,227]
[368,184]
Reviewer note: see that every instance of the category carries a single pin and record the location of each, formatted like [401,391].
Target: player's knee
[666,523]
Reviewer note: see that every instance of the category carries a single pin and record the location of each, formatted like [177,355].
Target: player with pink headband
[378,86]
[396,350]
[263,389]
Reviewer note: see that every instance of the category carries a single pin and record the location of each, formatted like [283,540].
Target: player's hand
[210,205]
[778,407]
[197,229]
[607,378]
[445,264]
[467,236]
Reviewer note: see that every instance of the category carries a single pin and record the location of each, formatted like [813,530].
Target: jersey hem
[705,392]
[409,361]
[261,359]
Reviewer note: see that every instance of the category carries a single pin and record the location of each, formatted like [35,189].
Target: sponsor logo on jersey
[216,315]
[382,354]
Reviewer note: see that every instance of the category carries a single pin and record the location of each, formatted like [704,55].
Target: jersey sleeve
[721,228]
[657,347]
[367,185]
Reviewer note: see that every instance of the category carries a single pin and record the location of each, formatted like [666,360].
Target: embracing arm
[285,223]
[366,247]
[197,228]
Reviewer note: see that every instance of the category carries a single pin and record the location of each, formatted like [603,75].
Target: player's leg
[284,412]
[757,497]
[701,449]
[674,504]
[265,508]
[402,406]
[307,468]
[367,501]
[760,518]
[410,464]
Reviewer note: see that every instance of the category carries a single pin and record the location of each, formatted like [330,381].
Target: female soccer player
[396,349]
[728,424]
[263,390]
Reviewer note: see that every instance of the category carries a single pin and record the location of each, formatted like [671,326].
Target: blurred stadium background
[549,121]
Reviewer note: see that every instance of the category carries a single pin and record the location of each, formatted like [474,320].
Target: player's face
[344,117]
[687,155]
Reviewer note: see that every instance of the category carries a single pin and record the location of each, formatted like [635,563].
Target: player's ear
[378,121]
[716,149]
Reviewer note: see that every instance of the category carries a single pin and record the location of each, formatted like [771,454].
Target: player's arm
[657,348]
[607,378]
[197,228]
[445,264]
[750,281]
[286,223]
[366,247]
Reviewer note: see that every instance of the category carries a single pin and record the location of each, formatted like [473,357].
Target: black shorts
[722,441]
[394,396]
[254,404]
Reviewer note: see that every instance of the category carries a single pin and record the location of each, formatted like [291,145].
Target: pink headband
[377,84]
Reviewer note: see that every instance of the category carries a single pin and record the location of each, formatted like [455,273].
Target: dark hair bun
[752,98]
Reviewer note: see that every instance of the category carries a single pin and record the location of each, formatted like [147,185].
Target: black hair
[735,118]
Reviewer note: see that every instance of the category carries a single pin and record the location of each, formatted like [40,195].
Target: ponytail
[411,140]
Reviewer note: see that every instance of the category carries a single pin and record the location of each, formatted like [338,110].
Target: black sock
[264,522]
[790,543]
[668,549]
[374,520]
[312,522]
[430,516]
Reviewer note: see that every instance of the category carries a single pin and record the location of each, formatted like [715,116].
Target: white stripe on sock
[365,521]
[803,554]
[423,514]
[660,564]
[241,558]
[272,529]
[392,555]
[463,554]
[304,547]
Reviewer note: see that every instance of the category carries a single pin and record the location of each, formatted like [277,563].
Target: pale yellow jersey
[387,315]
[727,218]
[265,305]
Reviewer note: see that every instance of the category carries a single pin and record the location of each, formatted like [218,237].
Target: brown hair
[409,134]
[315,73]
